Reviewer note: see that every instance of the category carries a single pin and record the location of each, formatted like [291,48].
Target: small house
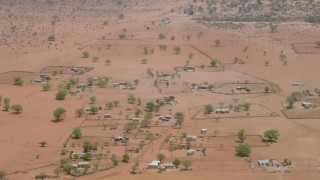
[263,162]
[307,105]
[165,118]
[204,131]
[189,68]
[190,152]
[167,166]
[239,88]
[297,84]
[84,164]
[191,138]
[118,138]
[135,119]
[154,165]
[222,111]
[78,155]
[107,115]
[81,86]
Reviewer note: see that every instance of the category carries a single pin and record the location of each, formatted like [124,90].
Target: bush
[272,135]
[17,108]
[87,156]
[51,38]
[125,158]
[77,133]
[87,146]
[46,87]
[94,109]
[187,163]
[18,81]
[6,106]
[85,54]
[243,150]
[176,162]
[214,62]
[61,95]
[59,113]
[150,106]
[208,109]
[161,157]
[43,143]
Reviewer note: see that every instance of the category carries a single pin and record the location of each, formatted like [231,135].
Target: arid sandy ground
[78,27]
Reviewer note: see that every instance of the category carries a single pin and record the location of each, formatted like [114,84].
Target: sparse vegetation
[243,150]
[271,135]
[59,114]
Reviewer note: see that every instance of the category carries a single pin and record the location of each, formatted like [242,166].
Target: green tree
[161,157]
[246,106]
[43,143]
[131,99]
[290,100]
[138,112]
[243,150]
[273,28]
[18,81]
[85,54]
[94,109]
[271,135]
[6,106]
[241,135]
[217,42]
[17,108]
[150,106]
[148,115]
[59,113]
[46,87]
[266,89]
[79,112]
[61,95]
[144,123]
[177,49]
[125,158]
[114,159]
[87,146]
[162,36]
[186,163]
[90,81]
[87,156]
[208,109]
[214,62]
[51,37]
[318,44]
[145,50]
[2,175]
[93,99]
[129,126]
[176,162]
[64,161]
[77,133]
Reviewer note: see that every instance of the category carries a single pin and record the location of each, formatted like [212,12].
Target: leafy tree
[61,94]
[177,49]
[93,99]
[116,103]
[2,175]
[114,159]
[214,62]
[131,99]
[59,113]
[161,157]
[6,106]
[43,143]
[18,81]
[290,100]
[144,123]
[273,28]
[246,106]
[162,36]
[148,115]
[64,161]
[266,63]
[79,112]
[208,109]
[77,133]
[87,156]
[51,37]
[85,54]
[266,89]
[176,162]
[94,109]
[17,108]
[272,135]
[46,87]
[243,150]
[90,81]
[186,163]
[318,44]
[57,171]
[217,42]
[138,112]
[150,106]
[129,126]
[241,135]
[87,146]
[125,158]
[145,50]
[108,62]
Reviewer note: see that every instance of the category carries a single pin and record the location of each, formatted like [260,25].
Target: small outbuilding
[153,165]
[204,131]
[84,164]
[190,152]
[307,105]
[263,162]
[191,138]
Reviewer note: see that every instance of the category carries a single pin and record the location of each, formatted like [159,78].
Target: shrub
[77,133]
[272,135]
[85,54]
[51,37]
[243,150]
[61,95]
[46,87]
[59,113]
[18,81]
[17,108]
[125,158]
